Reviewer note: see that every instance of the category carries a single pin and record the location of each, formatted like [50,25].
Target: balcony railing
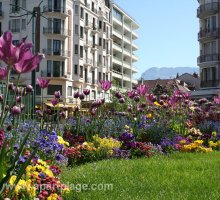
[61,10]
[117,72]
[45,73]
[208,58]
[88,61]
[64,32]
[51,52]
[207,9]
[210,83]
[208,33]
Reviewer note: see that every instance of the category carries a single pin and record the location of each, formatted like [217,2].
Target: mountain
[167,72]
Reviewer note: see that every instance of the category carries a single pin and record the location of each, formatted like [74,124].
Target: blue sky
[167,34]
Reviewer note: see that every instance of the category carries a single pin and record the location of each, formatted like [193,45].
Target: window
[53,88]
[103,43]
[100,41]
[100,24]
[93,77]
[69,91]
[56,25]
[23,3]
[104,60]
[49,68]
[81,71]
[15,6]
[81,13]
[86,75]
[104,26]
[117,14]
[75,69]
[76,29]
[14,25]
[81,51]
[100,76]
[81,32]
[93,7]
[56,47]
[15,42]
[104,76]
[93,95]
[76,9]
[76,49]
[23,24]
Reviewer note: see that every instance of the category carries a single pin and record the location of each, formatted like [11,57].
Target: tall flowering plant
[20,59]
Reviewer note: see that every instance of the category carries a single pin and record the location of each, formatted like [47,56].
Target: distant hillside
[167,72]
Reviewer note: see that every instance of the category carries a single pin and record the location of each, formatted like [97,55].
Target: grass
[175,177]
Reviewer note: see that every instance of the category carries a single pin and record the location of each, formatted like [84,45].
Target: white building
[77,40]
[124,36]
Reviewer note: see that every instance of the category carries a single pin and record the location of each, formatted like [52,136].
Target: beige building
[208,37]
[84,41]
[124,47]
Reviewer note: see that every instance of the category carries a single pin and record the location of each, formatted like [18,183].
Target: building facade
[77,40]
[123,56]
[208,37]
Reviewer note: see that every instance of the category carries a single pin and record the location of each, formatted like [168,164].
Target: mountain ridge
[167,72]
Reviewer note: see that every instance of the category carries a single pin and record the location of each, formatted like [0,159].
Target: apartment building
[78,41]
[53,36]
[124,47]
[91,45]
[208,37]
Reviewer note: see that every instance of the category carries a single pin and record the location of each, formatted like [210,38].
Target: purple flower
[15,110]
[29,88]
[57,94]
[18,99]
[43,83]
[136,98]
[81,96]
[131,94]
[86,91]
[142,90]
[118,94]
[54,102]
[3,73]
[11,86]
[105,85]
[76,95]
[76,109]
[122,100]
[2,136]
[217,99]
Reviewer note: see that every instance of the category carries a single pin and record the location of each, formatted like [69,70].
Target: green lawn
[174,177]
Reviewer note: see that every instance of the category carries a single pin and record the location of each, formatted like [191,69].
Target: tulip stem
[11,102]
[5,98]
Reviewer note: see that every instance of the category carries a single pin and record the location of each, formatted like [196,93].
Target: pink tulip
[57,94]
[16,110]
[3,73]
[54,102]
[8,52]
[131,94]
[217,99]
[86,91]
[43,83]
[142,90]
[29,88]
[105,85]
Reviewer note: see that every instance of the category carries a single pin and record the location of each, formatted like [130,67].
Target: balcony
[88,25]
[87,44]
[207,9]
[210,83]
[95,29]
[51,52]
[208,58]
[207,34]
[60,32]
[55,74]
[55,10]
[88,62]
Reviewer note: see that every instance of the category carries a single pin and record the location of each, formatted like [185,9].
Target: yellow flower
[52,197]
[156,103]
[62,141]
[182,141]
[149,115]
[12,180]
[214,133]
[199,142]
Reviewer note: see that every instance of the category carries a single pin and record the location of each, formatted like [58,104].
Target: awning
[60,105]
